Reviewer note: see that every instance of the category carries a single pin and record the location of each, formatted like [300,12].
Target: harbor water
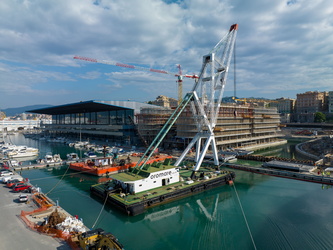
[258,212]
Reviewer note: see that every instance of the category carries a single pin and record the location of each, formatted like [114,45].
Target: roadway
[15,235]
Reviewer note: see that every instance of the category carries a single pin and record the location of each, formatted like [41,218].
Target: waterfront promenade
[15,235]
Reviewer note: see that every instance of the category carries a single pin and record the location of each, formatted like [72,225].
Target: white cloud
[281,45]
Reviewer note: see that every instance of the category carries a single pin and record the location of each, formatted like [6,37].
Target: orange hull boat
[105,165]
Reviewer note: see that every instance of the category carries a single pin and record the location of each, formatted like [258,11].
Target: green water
[280,213]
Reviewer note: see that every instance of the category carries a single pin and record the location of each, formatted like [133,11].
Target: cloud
[281,45]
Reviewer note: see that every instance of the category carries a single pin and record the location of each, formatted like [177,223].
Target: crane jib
[125,65]
[158,71]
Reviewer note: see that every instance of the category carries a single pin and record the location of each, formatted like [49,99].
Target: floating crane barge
[168,181]
[147,185]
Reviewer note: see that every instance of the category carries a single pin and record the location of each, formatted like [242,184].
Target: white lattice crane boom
[179,75]
[207,96]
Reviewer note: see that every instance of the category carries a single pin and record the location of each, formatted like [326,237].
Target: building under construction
[151,121]
[238,126]
[133,123]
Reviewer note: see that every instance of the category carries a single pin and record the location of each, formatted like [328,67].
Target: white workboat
[20,151]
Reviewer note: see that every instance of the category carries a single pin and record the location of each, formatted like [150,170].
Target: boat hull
[140,206]
[84,167]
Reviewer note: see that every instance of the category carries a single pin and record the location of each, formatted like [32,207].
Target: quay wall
[300,150]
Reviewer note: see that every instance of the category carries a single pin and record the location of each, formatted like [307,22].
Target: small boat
[57,158]
[228,157]
[224,157]
[48,158]
[80,144]
[90,154]
[72,157]
[14,151]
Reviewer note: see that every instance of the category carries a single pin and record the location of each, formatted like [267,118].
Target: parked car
[11,183]
[23,198]
[18,184]
[22,188]
[5,179]
[6,173]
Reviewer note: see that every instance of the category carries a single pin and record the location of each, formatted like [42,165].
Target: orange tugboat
[102,166]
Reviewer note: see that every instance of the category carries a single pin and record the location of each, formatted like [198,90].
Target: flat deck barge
[136,203]
[283,173]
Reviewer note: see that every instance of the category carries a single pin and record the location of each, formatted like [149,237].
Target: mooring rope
[100,212]
[247,224]
[58,182]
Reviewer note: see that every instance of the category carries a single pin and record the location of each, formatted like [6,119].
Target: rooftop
[92,106]
[79,107]
[141,174]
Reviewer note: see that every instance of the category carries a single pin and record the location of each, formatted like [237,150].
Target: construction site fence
[52,232]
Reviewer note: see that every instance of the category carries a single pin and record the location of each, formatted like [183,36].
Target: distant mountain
[20,110]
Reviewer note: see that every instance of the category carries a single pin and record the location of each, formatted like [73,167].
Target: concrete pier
[14,232]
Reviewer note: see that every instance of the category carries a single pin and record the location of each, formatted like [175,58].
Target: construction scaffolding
[150,122]
[237,126]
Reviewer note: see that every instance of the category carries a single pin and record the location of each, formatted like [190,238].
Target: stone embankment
[316,149]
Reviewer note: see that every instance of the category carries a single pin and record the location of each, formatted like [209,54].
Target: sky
[282,48]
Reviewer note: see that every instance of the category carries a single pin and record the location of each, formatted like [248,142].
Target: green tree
[319,117]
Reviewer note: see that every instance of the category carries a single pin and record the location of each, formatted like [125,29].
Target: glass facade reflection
[116,117]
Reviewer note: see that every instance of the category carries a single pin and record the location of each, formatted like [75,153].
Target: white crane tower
[207,97]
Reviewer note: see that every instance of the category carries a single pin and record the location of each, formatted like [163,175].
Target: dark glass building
[114,121]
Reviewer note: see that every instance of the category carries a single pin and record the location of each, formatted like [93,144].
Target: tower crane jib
[179,75]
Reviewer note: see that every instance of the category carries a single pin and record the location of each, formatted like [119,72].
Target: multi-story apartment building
[164,101]
[330,102]
[285,106]
[238,126]
[308,103]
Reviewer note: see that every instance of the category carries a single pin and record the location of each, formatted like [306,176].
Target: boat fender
[162,198]
[149,203]
[192,189]
[205,186]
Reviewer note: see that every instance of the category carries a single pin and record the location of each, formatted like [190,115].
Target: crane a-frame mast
[207,97]
[205,100]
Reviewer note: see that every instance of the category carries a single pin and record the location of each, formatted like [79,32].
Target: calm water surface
[280,213]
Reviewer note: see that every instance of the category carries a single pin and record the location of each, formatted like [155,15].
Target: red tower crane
[179,75]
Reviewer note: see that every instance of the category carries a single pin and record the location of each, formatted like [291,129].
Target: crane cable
[100,212]
[247,224]
[62,177]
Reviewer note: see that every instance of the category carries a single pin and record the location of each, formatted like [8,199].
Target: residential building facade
[308,103]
